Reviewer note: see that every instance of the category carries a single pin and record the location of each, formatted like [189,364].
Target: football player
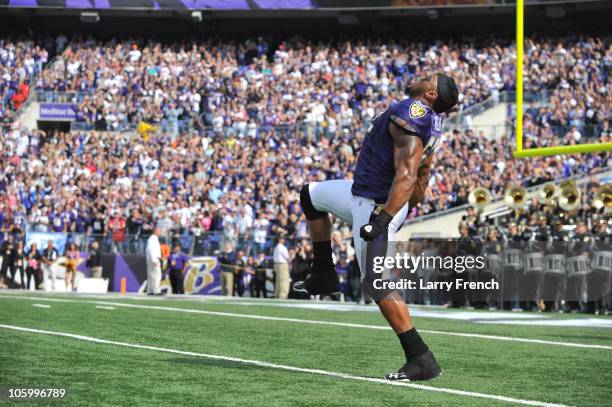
[390,178]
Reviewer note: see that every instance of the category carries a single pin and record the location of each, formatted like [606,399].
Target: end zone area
[111,350]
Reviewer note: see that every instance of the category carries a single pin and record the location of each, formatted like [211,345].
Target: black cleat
[423,367]
[325,283]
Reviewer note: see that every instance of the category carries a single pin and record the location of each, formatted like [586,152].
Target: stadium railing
[459,119]
[49,96]
[314,130]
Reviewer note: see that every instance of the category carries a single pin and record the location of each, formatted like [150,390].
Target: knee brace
[310,211]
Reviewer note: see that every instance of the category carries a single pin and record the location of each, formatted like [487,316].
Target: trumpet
[547,193]
[480,197]
[516,197]
[569,197]
[603,199]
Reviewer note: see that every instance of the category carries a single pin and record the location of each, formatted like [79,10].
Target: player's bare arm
[422,182]
[407,152]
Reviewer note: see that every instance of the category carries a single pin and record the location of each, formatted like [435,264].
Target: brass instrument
[569,197]
[479,198]
[547,194]
[568,183]
[603,199]
[516,197]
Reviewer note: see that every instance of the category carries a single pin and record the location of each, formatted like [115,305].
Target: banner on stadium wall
[179,5]
[41,239]
[57,111]
[164,4]
[202,277]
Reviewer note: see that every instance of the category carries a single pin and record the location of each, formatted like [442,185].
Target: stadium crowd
[20,62]
[244,124]
[250,96]
[576,75]
[243,87]
[120,185]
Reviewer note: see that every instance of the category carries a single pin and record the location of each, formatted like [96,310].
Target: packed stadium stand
[211,138]
[281,202]
[216,102]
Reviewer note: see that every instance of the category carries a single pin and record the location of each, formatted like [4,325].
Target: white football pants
[336,198]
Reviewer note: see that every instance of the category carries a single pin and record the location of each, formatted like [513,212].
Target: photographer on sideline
[94,260]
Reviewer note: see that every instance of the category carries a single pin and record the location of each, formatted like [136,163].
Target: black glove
[379,223]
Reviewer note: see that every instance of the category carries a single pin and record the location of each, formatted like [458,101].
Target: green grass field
[170,351]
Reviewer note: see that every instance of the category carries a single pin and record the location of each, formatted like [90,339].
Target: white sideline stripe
[286,367]
[317,322]
[104,307]
[41,305]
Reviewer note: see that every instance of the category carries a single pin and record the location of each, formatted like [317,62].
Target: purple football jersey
[375,168]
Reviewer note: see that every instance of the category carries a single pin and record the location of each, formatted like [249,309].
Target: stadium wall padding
[202,277]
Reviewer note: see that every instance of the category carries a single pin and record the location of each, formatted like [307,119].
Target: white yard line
[286,367]
[513,339]
[104,307]
[41,305]
[318,322]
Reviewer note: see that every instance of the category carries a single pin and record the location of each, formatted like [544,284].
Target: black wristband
[383,218]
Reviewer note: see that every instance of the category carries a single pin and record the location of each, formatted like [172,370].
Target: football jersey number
[374,120]
[431,147]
